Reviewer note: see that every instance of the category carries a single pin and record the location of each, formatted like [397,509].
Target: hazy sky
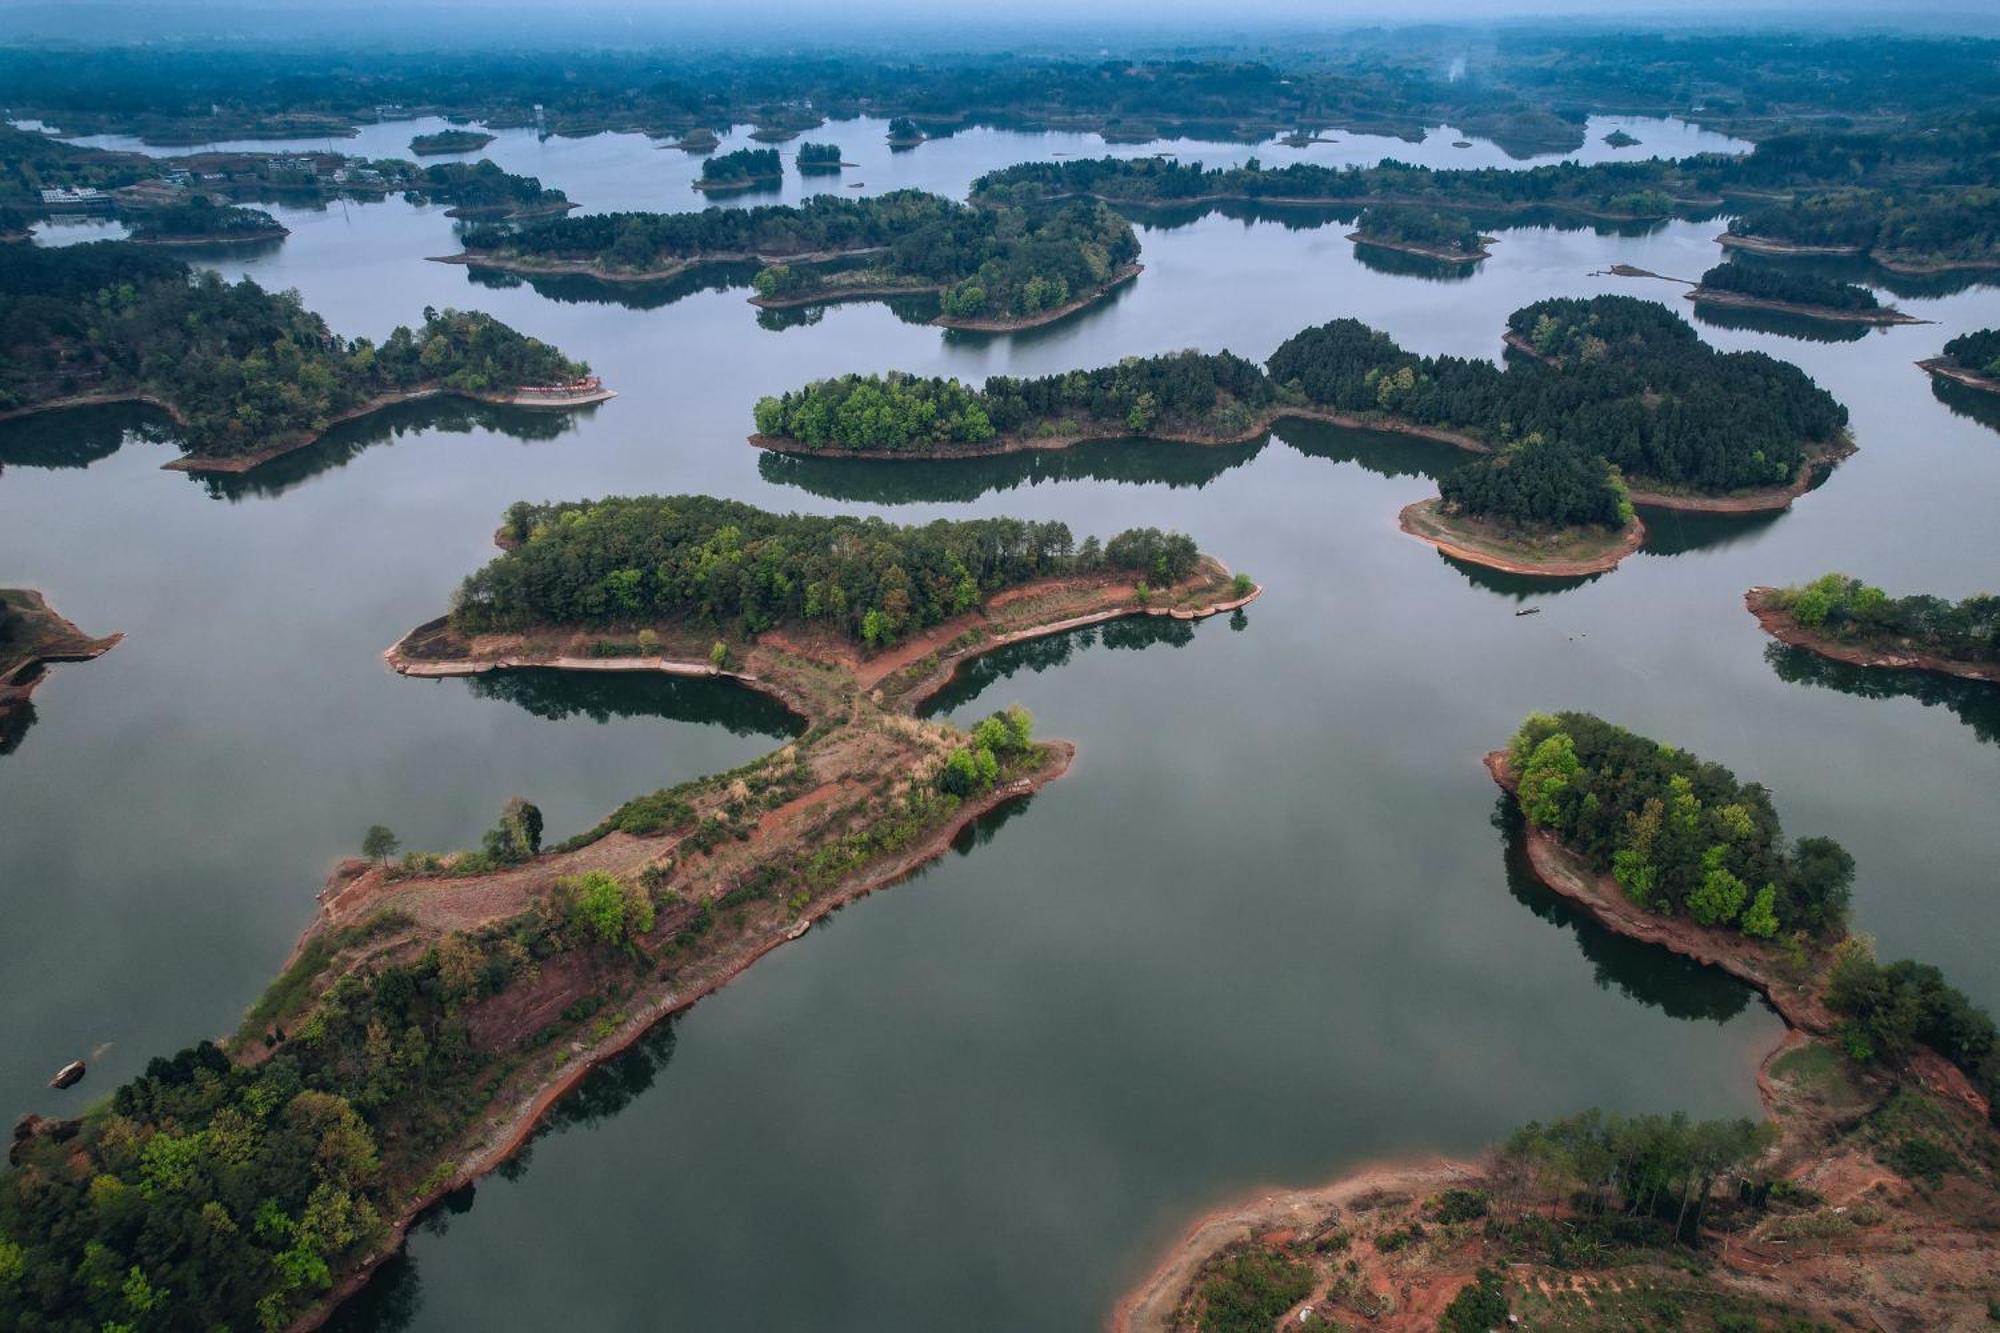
[1112,21]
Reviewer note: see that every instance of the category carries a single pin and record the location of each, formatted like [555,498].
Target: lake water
[1266,929]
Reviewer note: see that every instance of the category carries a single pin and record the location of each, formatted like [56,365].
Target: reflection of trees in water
[987,827]
[14,726]
[1973,702]
[1678,531]
[1778,322]
[1128,462]
[1976,404]
[603,695]
[582,289]
[1056,650]
[1403,264]
[347,441]
[1679,987]
[78,437]
[1859,268]
[392,1300]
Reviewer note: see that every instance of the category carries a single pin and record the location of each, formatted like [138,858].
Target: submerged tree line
[242,367]
[719,562]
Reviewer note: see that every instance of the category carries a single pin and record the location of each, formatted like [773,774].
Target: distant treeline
[244,368]
[1845,608]
[1765,283]
[1614,378]
[1918,227]
[722,563]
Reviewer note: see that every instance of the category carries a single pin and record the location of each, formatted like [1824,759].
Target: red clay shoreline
[1939,368]
[56,639]
[507,1135]
[1778,623]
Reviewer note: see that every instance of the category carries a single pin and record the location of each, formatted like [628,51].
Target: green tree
[379,844]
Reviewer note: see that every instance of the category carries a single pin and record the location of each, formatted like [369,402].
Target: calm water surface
[1268,928]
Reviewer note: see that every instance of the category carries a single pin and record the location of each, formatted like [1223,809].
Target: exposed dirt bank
[36,637]
[1825,313]
[1570,556]
[1763,245]
[1940,368]
[1778,623]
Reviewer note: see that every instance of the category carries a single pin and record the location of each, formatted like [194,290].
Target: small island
[744,169]
[1971,359]
[202,222]
[247,375]
[32,636]
[700,139]
[1879,1092]
[1686,426]
[1449,238]
[820,159]
[994,270]
[903,133]
[1620,139]
[482,192]
[1842,618]
[1756,288]
[1537,507]
[450,141]
[438,1006]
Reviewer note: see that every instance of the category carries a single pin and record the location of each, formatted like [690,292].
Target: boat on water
[69,1075]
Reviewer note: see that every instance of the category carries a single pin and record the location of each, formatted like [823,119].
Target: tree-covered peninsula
[1971,359]
[32,635]
[1449,237]
[1610,377]
[1760,287]
[201,222]
[1909,231]
[438,1006]
[1841,617]
[247,374]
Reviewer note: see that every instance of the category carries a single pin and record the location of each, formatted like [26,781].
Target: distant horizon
[1119,26]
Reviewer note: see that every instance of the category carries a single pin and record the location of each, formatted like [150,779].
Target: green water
[1269,927]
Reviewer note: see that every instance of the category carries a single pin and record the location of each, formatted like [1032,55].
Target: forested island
[1754,287]
[1610,377]
[819,158]
[438,1006]
[32,635]
[1878,1102]
[1971,359]
[481,191]
[991,268]
[744,169]
[201,222]
[1448,237]
[1842,618]
[903,133]
[246,374]
[450,141]
[1537,506]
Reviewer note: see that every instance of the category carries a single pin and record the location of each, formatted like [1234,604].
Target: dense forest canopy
[1539,483]
[1615,379]
[640,241]
[1978,352]
[719,562]
[1419,226]
[1683,837]
[986,262]
[483,185]
[245,368]
[1917,226]
[1630,381]
[1766,283]
[1179,392]
[742,166]
[199,219]
[1845,608]
[818,156]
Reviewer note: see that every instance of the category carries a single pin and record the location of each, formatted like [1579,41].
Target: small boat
[799,929]
[1528,611]
[68,1076]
